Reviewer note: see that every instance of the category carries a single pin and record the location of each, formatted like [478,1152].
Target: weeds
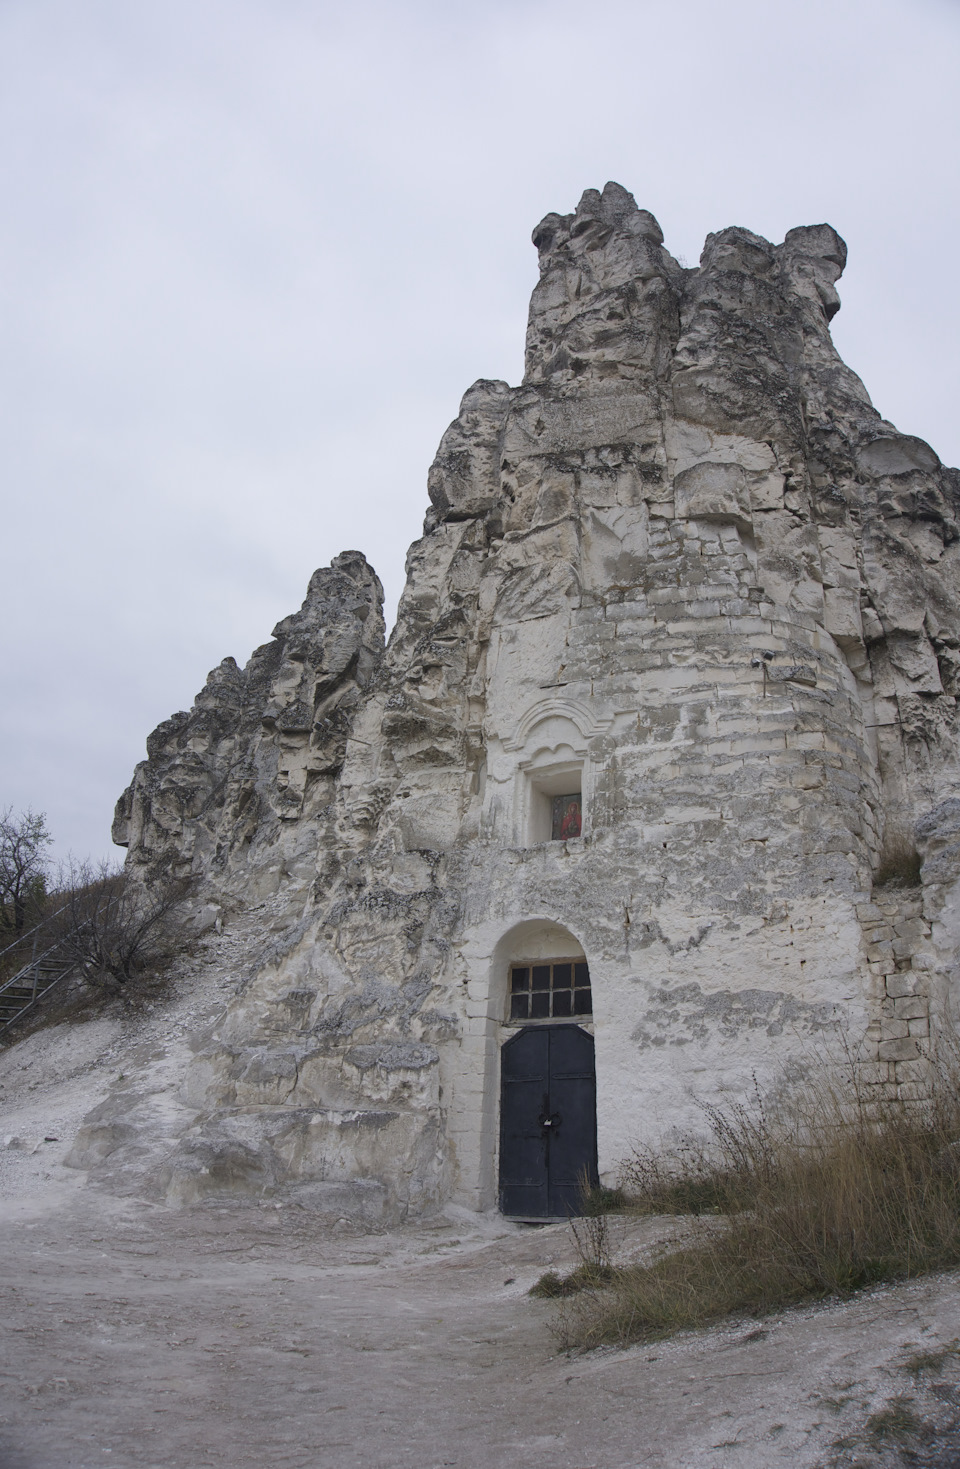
[817,1198]
[836,1405]
[717,1175]
[930,1361]
[600,1200]
[551,1286]
[591,1236]
[897,1420]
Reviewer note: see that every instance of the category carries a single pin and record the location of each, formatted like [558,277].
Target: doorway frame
[470,1068]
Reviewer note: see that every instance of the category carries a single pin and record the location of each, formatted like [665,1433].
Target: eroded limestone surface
[224,787]
[686,568]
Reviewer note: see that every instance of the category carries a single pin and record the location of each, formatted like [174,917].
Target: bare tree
[115,929]
[23,867]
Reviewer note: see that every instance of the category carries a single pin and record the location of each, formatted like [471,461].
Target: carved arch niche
[553,770]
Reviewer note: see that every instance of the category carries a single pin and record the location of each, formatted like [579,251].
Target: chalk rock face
[685,572]
[228,789]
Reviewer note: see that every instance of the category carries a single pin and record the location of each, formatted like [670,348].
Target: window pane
[562,975]
[561,1002]
[540,1005]
[541,976]
[567,817]
[520,979]
[518,1007]
[582,976]
[582,1002]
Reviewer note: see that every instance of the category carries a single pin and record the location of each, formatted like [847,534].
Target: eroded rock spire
[683,580]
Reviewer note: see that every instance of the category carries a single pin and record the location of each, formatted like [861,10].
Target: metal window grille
[556,991]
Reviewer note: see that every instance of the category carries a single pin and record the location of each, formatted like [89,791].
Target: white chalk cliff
[685,570]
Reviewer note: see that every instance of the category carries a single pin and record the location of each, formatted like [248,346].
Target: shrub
[114,929]
[108,928]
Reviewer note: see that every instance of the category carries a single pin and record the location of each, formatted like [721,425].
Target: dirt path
[139,1337]
[135,1336]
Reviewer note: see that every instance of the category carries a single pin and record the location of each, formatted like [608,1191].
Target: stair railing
[31,973]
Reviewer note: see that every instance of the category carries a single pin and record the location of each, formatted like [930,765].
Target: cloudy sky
[252,252]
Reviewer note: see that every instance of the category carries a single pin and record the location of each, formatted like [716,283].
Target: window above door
[558,989]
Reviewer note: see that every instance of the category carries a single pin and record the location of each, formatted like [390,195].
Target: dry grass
[817,1199]
[552,1285]
[898,1420]
[591,1236]
[927,1360]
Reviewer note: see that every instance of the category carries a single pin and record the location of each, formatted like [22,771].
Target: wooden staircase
[28,985]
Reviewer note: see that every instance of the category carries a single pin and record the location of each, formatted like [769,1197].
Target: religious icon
[567,817]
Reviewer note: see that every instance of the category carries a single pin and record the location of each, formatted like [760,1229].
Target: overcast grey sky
[252,252]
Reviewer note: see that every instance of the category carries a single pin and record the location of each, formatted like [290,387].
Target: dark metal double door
[548,1121]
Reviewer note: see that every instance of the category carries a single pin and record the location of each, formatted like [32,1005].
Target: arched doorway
[548,1092]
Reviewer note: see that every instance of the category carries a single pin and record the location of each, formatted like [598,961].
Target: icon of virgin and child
[567,817]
